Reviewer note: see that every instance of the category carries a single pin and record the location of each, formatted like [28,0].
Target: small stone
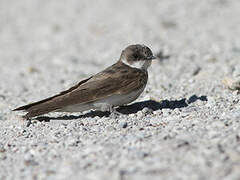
[154,121]
[140,114]
[132,115]
[182,143]
[238,137]
[196,71]
[166,112]
[210,58]
[232,83]
[56,28]
[200,103]
[176,111]
[71,141]
[2,149]
[123,124]
[141,154]
[236,92]
[236,72]
[28,156]
[110,128]
[211,102]
[147,111]
[30,163]
[2,97]
[3,156]
[33,70]
[64,125]
[169,24]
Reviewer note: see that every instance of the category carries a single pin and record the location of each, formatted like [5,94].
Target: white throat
[144,65]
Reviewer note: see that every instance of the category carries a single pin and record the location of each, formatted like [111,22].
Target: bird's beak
[153,57]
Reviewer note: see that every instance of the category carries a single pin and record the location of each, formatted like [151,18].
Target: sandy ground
[186,125]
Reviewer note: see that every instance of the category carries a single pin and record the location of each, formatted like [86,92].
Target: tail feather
[49,104]
[28,106]
[38,108]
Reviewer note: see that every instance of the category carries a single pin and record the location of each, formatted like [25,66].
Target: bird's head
[137,56]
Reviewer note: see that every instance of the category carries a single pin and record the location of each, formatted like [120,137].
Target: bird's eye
[146,53]
[135,56]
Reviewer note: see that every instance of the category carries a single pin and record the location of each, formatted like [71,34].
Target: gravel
[185,125]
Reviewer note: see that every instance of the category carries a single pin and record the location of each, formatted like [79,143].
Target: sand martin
[117,85]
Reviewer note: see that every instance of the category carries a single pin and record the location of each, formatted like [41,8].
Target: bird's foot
[114,113]
[109,108]
[27,119]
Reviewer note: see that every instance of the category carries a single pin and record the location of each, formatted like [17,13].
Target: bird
[117,85]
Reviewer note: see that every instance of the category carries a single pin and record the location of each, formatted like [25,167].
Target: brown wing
[103,84]
[118,79]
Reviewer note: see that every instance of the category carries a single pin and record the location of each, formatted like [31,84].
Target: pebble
[165,112]
[140,114]
[236,72]
[2,149]
[71,141]
[2,97]
[110,128]
[146,111]
[155,121]
[232,83]
[211,102]
[33,70]
[3,156]
[123,124]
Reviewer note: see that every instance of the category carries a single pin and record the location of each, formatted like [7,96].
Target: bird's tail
[37,108]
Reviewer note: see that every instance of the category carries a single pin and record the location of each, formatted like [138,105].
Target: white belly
[103,104]
[118,100]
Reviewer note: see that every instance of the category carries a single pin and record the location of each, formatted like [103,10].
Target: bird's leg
[113,112]
[26,118]
[110,108]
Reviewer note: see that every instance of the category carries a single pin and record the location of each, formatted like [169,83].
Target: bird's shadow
[134,108]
